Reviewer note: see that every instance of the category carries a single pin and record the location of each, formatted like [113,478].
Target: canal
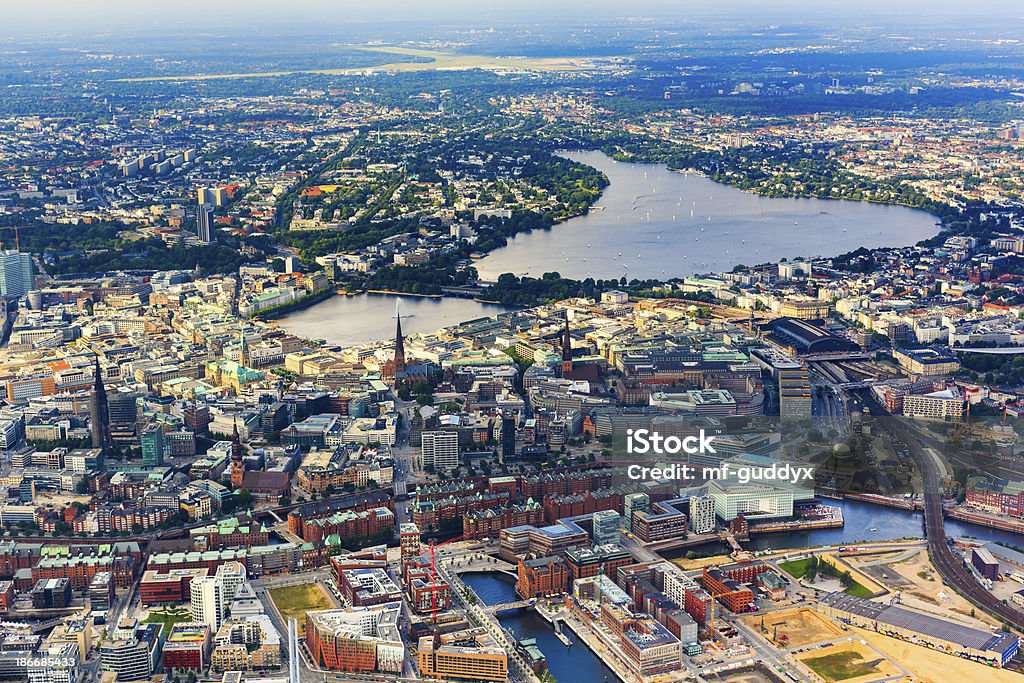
[865,522]
[576,664]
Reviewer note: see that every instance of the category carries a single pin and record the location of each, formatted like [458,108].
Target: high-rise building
[794,392]
[634,502]
[152,439]
[207,601]
[122,408]
[204,223]
[99,412]
[605,527]
[440,449]
[214,196]
[702,514]
[15,273]
[508,437]
[210,596]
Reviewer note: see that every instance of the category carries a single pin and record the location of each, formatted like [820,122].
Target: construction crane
[17,239]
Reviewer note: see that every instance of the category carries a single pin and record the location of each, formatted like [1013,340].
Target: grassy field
[841,666]
[295,601]
[429,60]
[796,568]
[167,617]
[857,590]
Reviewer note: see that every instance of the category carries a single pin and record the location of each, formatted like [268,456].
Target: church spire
[99,412]
[399,344]
[243,348]
[566,349]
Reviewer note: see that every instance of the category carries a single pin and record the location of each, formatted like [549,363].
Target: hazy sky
[114,14]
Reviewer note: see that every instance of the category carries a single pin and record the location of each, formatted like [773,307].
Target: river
[363,318]
[655,223]
[576,664]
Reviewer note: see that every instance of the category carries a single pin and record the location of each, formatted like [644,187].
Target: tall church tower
[99,412]
[566,350]
[244,357]
[399,365]
[237,463]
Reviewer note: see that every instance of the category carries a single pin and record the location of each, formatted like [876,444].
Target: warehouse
[995,648]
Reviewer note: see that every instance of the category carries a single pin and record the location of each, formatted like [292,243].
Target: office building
[472,654]
[753,501]
[794,392]
[211,595]
[186,648]
[356,639]
[152,439]
[702,514]
[57,663]
[204,223]
[440,450]
[606,524]
[134,653]
[15,273]
[634,502]
[508,437]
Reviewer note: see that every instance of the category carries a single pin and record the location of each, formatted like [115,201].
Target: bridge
[41,626]
[508,606]
[483,566]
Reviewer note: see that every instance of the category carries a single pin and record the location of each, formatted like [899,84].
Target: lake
[655,223]
[363,318]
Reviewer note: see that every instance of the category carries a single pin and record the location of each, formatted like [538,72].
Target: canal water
[866,522]
[576,664]
[364,318]
[863,522]
[651,222]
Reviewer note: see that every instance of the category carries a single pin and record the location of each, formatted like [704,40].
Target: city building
[357,639]
[606,525]
[152,440]
[186,649]
[702,514]
[440,450]
[16,274]
[472,654]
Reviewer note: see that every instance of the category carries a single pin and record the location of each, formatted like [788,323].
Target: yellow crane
[17,239]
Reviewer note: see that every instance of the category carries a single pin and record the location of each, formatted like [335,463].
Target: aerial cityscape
[523,343]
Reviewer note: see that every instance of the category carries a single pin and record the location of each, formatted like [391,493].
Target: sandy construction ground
[876,667]
[930,666]
[795,628]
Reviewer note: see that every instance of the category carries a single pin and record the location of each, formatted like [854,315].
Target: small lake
[363,318]
[655,223]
